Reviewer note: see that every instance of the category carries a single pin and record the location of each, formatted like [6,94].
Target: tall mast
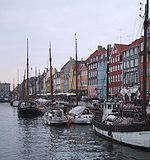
[35,81]
[27,72]
[76,66]
[51,79]
[17,83]
[145,61]
[107,72]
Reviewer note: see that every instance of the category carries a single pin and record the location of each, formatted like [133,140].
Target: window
[136,77]
[124,65]
[127,64]
[142,46]
[132,63]
[109,106]
[136,62]
[118,59]
[127,53]
[131,52]
[124,54]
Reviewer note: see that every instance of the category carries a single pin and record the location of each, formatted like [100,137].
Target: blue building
[102,76]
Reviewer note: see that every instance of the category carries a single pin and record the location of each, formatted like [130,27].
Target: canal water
[30,139]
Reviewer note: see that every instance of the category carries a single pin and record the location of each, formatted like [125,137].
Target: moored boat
[55,117]
[79,115]
[126,130]
[14,103]
[28,109]
[125,122]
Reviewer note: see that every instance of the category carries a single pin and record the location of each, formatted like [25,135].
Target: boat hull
[79,120]
[135,139]
[55,118]
[28,112]
[55,123]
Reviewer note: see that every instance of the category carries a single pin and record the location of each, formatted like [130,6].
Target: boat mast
[35,81]
[145,61]
[76,66]
[27,97]
[107,72]
[18,84]
[51,79]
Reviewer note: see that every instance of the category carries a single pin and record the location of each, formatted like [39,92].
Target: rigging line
[140,30]
[135,23]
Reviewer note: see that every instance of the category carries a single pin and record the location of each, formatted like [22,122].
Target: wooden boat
[27,108]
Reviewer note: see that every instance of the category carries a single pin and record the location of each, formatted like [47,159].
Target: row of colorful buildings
[105,72]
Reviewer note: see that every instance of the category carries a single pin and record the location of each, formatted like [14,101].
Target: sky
[96,22]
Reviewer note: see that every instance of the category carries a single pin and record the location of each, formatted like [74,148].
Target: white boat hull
[55,118]
[83,119]
[134,139]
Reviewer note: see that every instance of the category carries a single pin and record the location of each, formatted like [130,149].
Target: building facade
[92,63]
[115,69]
[4,90]
[65,75]
[102,76]
[131,66]
[56,82]
[83,78]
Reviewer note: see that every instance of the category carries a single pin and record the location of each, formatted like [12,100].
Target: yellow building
[61,82]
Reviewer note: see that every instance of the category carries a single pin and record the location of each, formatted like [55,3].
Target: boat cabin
[109,108]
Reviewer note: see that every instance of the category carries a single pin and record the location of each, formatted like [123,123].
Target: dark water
[29,139]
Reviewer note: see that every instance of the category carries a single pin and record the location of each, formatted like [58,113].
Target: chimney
[99,47]
[109,46]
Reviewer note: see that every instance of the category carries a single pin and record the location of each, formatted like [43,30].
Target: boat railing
[122,127]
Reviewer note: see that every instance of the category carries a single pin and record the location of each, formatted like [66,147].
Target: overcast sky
[96,22]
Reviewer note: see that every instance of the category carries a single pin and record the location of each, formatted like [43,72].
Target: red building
[115,69]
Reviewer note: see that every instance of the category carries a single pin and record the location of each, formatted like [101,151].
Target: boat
[27,108]
[14,102]
[79,115]
[54,115]
[115,125]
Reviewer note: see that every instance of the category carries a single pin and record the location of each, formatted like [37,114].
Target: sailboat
[54,115]
[113,126]
[27,108]
[79,114]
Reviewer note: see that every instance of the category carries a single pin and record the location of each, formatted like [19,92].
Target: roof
[121,47]
[135,43]
[97,52]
